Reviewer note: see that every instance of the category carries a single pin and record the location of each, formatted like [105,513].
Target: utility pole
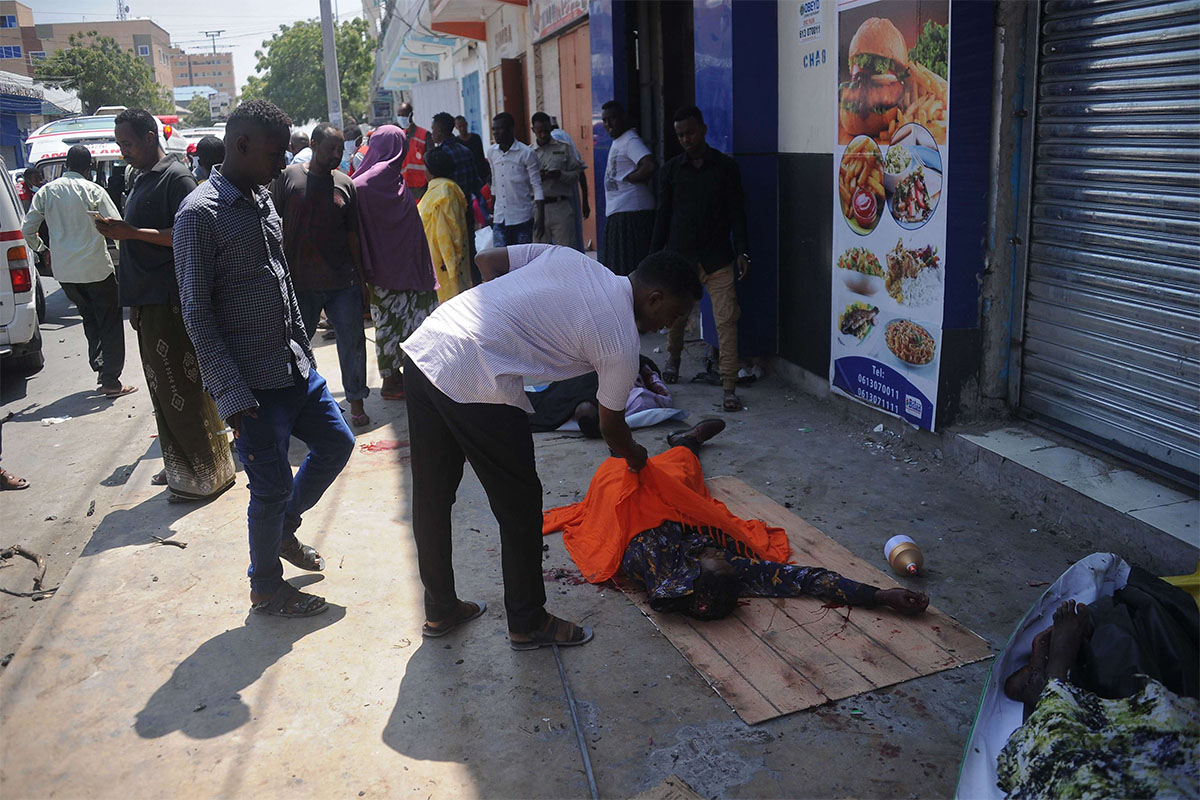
[333,88]
[213,35]
[122,10]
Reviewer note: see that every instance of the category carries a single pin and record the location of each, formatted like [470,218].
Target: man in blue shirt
[242,314]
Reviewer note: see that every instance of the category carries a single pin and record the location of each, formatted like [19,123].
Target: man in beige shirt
[560,175]
[69,206]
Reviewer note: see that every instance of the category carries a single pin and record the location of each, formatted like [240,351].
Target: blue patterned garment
[666,560]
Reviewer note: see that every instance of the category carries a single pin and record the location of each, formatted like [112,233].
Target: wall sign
[548,16]
[889,236]
[810,21]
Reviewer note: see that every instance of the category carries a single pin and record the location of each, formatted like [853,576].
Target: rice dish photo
[909,342]
[905,274]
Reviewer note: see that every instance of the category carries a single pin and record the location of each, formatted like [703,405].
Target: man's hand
[636,459]
[135,318]
[587,209]
[116,229]
[743,266]
[235,421]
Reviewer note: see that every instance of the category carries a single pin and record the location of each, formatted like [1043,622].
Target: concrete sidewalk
[148,677]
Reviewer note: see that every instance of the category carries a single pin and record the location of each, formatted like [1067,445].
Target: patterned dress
[396,314]
[1077,744]
[666,560]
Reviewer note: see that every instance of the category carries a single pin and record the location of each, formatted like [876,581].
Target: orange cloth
[621,504]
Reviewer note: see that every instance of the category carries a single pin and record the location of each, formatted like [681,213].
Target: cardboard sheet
[775,656]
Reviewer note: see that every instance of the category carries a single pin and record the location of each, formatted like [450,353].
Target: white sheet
[1088,579]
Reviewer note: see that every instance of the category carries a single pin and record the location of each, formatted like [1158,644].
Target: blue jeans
[277,500]
[344,308]
[504,235]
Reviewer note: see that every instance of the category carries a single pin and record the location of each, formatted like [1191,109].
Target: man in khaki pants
[702,214]
[560,175]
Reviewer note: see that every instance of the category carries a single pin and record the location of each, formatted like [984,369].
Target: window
[10,52]
[37,55]
[8,21]
[143,49]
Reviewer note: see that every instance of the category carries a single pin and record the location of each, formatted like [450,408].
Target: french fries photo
[924,102]
[860,183]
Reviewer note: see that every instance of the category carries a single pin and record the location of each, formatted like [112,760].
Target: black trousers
[496,440]
[103,325]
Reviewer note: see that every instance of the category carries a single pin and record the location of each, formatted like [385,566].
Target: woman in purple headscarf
[395,253]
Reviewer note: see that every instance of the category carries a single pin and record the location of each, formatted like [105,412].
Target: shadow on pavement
[202,697]
[80,404]
[137,526]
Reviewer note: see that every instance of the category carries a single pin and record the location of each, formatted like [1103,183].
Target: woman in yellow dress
[443,213]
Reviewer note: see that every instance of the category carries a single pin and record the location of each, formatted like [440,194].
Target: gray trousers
[103,325]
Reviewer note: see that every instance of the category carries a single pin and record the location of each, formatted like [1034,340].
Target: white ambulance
[48,145]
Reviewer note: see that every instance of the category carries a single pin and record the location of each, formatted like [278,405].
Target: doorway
[575,93]
[661,65]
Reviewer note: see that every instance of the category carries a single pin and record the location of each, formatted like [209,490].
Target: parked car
[20,290]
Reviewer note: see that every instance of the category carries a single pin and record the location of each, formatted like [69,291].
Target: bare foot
[1071,624]
[1026,684]
[903,600]
[160,479]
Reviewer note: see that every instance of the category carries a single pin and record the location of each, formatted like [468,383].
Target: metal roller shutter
[1111,336]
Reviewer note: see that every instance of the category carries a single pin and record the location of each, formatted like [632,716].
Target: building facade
[23,43]
[204,69]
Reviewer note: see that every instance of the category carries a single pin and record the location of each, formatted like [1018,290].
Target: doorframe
[1023,210]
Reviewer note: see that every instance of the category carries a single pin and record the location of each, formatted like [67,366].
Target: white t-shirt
[557,314]
[619,194]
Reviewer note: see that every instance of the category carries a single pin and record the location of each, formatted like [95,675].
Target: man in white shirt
[82,264]
[628,198]
[543,313]
[519,212]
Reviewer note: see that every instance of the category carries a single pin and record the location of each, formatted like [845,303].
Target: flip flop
[731,402]
[429,632]
[671,373]
[359,420]
[121,392]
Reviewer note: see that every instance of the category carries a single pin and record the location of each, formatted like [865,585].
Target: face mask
[403,122]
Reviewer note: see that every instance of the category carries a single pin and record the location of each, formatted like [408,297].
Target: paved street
[147,656]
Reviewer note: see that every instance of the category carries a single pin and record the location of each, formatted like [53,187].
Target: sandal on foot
[288,601]
[160,479]
[117,391]
[466,612]
[360,420]
[671,373]
[555,632]
[10,482]
[302,556]
[731,402]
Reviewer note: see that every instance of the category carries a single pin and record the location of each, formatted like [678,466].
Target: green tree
[199,112]
[103,74]
[291,69]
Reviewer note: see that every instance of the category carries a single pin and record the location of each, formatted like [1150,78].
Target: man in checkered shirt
[240,310]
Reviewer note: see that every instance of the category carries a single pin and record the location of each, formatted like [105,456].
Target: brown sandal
[10,482]
[466,611]
[302,556]
[289,602]
[555,632]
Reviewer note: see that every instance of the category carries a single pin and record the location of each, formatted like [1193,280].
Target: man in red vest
[413,169]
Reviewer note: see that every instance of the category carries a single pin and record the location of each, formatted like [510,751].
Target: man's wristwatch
[743,255]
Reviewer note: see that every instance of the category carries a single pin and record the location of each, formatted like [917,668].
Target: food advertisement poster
[889,236]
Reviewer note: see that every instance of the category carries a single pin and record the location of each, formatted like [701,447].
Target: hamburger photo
[878,67]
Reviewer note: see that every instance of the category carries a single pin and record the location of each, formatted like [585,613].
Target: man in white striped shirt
[544,313]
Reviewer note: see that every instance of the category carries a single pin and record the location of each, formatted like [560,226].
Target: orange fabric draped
[621,504]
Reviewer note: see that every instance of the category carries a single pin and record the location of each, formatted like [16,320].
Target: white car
[20,289]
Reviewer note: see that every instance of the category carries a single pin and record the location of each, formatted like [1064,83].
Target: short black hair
[460,116]
[210,150]
[141,120]
[506,119]
[540,116]
[261,115]
[714,596]
[613,105]
[672,273]
[351,133]
[689,112]
[79,158]
[439,163]
[444,118]
[31,172]
[322,130]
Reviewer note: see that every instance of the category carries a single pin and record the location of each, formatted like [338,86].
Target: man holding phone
[68,206]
